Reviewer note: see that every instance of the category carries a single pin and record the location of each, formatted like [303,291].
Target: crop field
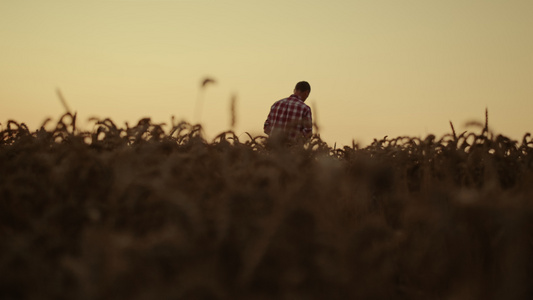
[156,211]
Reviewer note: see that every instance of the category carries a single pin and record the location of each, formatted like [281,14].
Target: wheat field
[158,212]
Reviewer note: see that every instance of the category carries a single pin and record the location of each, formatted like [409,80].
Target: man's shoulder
[292,100]
[303,105]
[297,102]
[279,102]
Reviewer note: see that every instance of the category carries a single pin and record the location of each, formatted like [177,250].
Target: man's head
[302,90]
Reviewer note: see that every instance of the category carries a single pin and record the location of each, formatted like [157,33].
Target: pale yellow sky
[376,67]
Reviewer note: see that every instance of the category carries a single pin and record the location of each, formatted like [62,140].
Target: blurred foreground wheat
[146,212]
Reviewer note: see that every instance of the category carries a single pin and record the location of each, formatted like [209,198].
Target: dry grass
[147,213]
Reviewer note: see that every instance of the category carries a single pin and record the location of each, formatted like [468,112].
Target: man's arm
[307,129]
[267,127]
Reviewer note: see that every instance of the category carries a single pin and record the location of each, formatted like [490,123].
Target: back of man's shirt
[289,116]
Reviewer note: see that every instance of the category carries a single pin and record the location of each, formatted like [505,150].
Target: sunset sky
[376,67]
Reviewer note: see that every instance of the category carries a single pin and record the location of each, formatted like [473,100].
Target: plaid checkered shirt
[291,116]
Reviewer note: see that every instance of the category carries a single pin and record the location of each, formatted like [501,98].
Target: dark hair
[303,86]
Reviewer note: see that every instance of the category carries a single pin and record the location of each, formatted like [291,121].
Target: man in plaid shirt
[291,117]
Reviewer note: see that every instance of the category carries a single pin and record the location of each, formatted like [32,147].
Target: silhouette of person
[290,118]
